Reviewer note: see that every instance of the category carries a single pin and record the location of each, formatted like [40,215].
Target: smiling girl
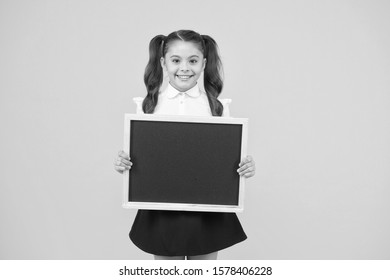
[184,55]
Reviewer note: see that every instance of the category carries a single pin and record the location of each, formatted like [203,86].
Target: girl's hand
[122,162]
[247,167]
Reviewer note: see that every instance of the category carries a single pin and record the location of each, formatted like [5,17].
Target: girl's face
[184,63]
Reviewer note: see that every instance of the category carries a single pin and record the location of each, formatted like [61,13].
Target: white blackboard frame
[183,206]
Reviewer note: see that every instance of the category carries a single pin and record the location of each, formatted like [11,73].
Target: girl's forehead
[178,47]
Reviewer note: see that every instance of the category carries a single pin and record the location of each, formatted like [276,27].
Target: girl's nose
[184,66]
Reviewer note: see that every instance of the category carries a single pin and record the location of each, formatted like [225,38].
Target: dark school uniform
[184,233]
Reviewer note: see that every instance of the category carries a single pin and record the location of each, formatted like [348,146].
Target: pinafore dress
[184,233]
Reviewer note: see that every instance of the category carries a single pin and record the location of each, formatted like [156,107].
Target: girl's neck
[183,90]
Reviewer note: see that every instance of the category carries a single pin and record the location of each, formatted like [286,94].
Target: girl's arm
[122,162]
[247,167]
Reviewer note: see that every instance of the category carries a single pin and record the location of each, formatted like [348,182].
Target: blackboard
[184,163]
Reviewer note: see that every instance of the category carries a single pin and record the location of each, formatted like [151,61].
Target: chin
[184,86]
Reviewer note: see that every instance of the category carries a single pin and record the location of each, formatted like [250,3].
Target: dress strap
[226,110]
[138,102]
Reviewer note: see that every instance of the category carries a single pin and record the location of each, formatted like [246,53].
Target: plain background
[313,77]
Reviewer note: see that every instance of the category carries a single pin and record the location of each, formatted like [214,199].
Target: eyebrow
[188,57]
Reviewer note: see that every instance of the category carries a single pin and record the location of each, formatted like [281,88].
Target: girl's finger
[122,163]
[125,161]
[250,174]
[245,167]
[120,169]
[122,154]
[246,171]
[247,159]
[244,161]
[125,165]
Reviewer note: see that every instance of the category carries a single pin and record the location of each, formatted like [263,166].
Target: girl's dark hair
[153,76]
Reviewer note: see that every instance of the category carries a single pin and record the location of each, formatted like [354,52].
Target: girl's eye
[175,61]
[193,61]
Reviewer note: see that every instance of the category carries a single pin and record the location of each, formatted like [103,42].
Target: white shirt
[193,102]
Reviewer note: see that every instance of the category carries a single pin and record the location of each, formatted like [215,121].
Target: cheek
[199,69]
[172,68]
[170,71]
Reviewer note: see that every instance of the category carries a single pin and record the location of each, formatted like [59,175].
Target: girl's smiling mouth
[184,77]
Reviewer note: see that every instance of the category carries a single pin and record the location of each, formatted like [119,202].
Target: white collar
[192,92]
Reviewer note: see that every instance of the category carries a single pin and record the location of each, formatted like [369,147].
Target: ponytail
[153,76]
[213,82]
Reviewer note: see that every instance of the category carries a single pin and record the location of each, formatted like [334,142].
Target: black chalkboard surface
[184,163]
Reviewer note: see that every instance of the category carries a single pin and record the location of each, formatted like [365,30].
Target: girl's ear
[204,64]
[162,61]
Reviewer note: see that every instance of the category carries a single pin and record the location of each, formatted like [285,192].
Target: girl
[184,55]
